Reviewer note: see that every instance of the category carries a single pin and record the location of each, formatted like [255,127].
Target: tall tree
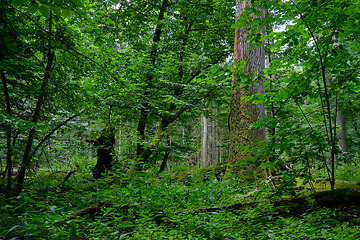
[170,48]
[249,61]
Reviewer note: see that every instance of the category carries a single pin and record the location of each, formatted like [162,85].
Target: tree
[31,76]
[249,61]
[315,78]
[169,49]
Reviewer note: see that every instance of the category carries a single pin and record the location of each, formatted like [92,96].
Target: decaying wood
[348,198]
[96,208]
[89,210]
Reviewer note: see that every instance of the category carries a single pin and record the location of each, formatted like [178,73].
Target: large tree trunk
[245,113]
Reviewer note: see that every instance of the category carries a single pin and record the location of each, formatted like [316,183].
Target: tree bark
[166,156]
[245,113]
[204,137]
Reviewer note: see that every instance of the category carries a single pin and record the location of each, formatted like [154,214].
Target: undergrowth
[157,208]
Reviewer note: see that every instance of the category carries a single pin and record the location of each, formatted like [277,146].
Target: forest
[180,119]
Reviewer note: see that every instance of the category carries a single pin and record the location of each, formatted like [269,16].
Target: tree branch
[49,135]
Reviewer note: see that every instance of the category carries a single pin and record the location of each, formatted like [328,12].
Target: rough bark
[141,131]
[245,113]
[345,198]
[148,150]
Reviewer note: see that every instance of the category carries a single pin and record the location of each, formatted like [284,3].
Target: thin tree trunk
[8,136]
[166,156]
[148,150]
[141,131]
[27,153]
[204,133]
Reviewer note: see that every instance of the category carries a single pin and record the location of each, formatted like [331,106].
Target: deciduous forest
[180,119]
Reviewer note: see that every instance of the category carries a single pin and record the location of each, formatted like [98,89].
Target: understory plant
[148,208]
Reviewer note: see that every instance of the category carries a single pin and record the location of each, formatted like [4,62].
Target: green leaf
[56,10]
[77,3]
[34,7]
[66,12]
[11,229]
[239,24]
[45,11]
[251,46]
[214,69]
[125,224]
[17,3]
[123,236]
[295,40]
[240,65]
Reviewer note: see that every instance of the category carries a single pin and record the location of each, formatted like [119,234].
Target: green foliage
[43,8]
[121,62]
[147,207]
[312,75]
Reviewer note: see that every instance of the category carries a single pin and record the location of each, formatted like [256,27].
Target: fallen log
[96,208]
[347,198]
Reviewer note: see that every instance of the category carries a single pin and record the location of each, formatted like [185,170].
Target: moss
[216,171]
[324,185]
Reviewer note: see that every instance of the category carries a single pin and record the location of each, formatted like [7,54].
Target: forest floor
[150,207]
